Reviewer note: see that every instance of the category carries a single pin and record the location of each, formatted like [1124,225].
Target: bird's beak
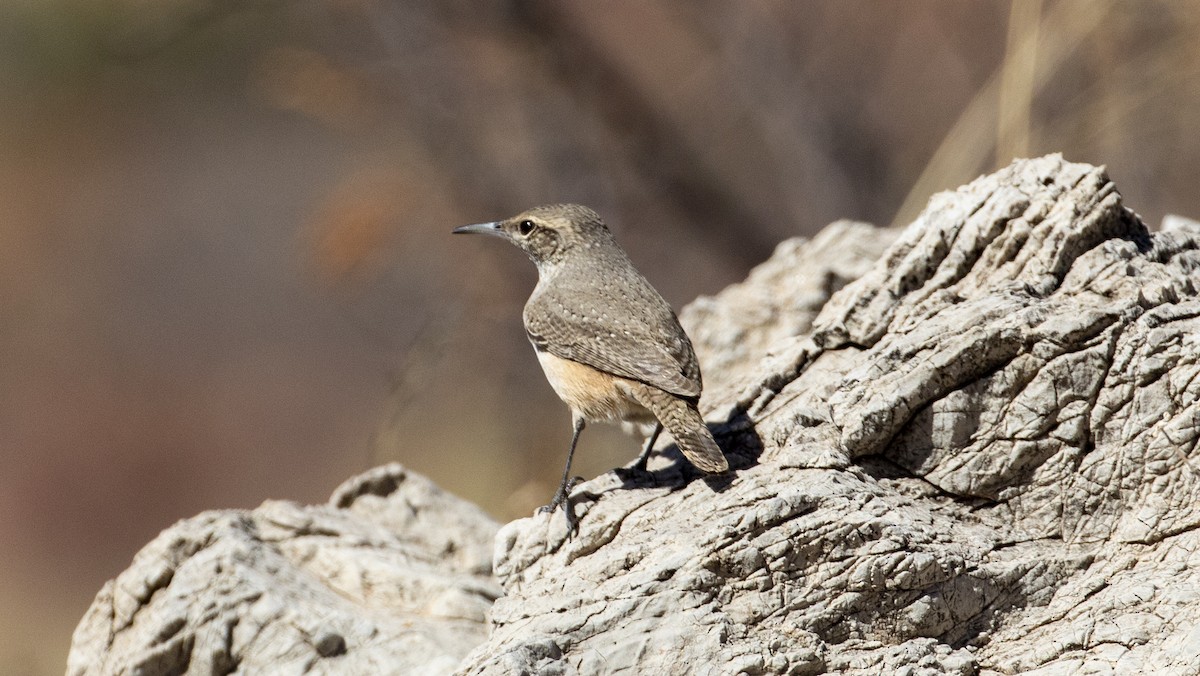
[492,228]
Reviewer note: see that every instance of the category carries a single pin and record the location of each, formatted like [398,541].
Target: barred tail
[681,418]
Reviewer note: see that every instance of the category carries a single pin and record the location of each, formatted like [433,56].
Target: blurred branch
[422,354]
[133,30]
[1017,80]
[965,149]
[688,148]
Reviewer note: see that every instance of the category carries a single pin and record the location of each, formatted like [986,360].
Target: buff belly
[592,393]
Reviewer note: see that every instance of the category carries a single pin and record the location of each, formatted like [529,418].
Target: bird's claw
[561,495]
[561,498]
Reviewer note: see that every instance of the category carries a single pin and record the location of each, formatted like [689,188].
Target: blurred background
[226,273]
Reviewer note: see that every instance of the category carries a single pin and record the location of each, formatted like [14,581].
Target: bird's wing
[600,331]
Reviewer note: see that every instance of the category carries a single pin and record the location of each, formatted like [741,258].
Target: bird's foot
[638,471]
[562,497]
[640,467]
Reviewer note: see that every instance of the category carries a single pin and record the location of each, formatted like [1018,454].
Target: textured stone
[392,577]
[964,448]
[1001,408]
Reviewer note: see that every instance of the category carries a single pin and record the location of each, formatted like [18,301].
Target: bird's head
[548,234]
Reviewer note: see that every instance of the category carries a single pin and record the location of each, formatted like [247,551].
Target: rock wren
[609,344]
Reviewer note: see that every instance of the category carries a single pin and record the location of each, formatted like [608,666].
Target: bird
[609,344]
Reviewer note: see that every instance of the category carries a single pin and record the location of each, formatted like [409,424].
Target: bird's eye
[525,227]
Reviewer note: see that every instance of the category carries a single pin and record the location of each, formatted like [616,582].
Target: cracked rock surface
[392,576]
[967,447]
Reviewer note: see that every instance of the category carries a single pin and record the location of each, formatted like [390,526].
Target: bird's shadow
[739,441]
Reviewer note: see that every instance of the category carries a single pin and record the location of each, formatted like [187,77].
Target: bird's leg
[644,458]
[564,488]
